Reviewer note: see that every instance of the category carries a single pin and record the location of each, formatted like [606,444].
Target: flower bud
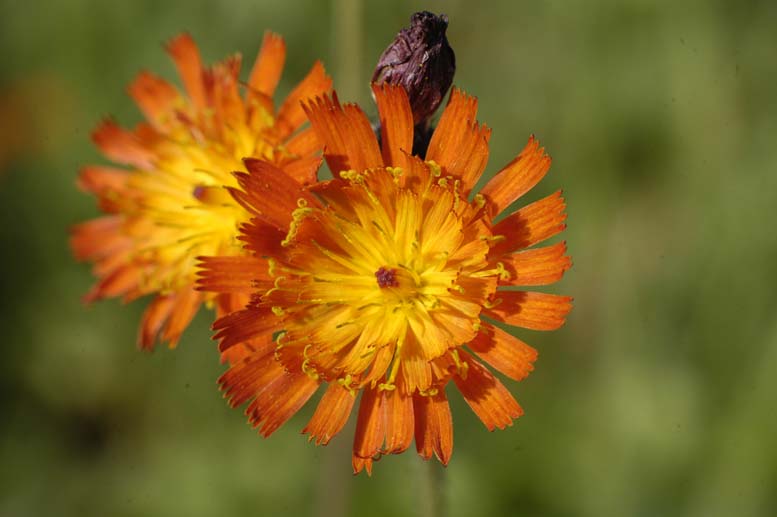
[421,60]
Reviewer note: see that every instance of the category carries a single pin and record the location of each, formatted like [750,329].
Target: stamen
[435,168]
[349,383]
[387,277]
[297,216]
[309,370]
[490,304]
[209,195]
[395,171]
[431,392]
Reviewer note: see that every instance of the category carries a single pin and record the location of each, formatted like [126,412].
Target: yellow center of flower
[183,210]
[386,275]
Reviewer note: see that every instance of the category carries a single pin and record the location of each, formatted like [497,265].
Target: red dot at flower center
[387,277]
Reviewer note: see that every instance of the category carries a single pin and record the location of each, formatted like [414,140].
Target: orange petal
[304,170]
[459,144]
[416,370]
[187,59]
[223,93]
[122,281]
[244,325]
[247,377]
[262,237]
[517,177]
[398,408]
[227,303]
[230,302]
[347,135]
[396,123]
[418,176]
[364,152]
[433,426]
[539,266]
[291,115]
[280,400]
[123,256]
[122,146]
[304,143]
[336,197]
[154,317]
[487,397]
[102,180]
[155,97]
[508,354]
[360,464]
[269,192]
[536,311]
[98,238]
[331,414]
[530,225]
[238,353]
[232,274]
[268,67]
[370,426]
[258,106]
[187,301]
[380,363]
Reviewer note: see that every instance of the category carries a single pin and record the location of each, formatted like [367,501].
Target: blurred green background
[659,396]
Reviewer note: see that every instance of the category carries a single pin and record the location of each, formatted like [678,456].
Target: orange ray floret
[377,281]
[505,352]
[331,414]
[171,204]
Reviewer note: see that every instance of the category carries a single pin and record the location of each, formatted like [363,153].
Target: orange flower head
[170,205]
[385,281]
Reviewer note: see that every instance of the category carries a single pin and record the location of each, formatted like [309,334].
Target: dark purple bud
[421,60]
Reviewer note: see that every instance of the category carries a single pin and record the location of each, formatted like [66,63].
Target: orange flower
[170,206]
[385,281]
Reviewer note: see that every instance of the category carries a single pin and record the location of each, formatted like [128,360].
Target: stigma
[386,277]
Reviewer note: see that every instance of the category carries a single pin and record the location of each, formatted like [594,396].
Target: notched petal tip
[530,309]
[268,67]
[291,114]
[186,56]
[517,177]
[184,40]
[359,464]
[121,145]
[459,144]
[530,225]
[324,102]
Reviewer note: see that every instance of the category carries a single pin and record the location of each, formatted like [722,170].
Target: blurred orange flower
[171,206]
[386,280]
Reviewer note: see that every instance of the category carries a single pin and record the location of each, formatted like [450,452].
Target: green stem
[434,504]
[347,18]
[334,479]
